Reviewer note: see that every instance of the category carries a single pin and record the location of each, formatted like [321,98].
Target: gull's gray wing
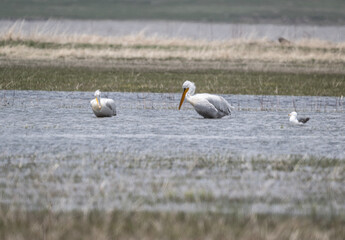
[303,120]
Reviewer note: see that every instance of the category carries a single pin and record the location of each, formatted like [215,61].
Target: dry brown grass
[43,35]
[233,53]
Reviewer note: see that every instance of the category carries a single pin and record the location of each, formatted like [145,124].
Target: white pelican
[103,107]
[293,119]
[207,105]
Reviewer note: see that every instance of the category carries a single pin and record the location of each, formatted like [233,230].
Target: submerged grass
[109,181]
[59,78]
[17,222]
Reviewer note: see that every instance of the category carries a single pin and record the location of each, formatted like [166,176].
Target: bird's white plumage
[207,105]
[103,107]
[293,119]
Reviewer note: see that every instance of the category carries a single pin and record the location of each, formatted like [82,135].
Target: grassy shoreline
[221,81]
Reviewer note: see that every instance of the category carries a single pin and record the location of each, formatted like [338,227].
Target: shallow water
[150,123]
[178,29]
[56,153]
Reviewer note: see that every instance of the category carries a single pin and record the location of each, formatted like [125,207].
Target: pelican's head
[188,87]
[98,98]
[97,93]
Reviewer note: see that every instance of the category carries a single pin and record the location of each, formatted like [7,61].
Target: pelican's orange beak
[99,106]
[183,96]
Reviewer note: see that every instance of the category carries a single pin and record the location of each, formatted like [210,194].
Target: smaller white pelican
[293,119]
[103,107]
[207,105]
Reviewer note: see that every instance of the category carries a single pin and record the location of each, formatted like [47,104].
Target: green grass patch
[66,78]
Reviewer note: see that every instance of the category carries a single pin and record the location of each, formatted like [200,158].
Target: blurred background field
[44,55]
[250,11]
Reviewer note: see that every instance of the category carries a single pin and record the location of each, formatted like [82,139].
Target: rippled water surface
[56,153]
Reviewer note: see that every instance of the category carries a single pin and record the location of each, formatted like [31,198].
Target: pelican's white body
[105,108]
[207,105]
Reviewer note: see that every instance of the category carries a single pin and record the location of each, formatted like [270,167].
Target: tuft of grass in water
[59,78]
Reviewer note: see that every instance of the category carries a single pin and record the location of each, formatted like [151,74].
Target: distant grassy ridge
[76,78]
[164,225]
[266,11]
[40,47]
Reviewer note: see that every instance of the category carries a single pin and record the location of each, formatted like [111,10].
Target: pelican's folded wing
[219,103]
[111,105]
